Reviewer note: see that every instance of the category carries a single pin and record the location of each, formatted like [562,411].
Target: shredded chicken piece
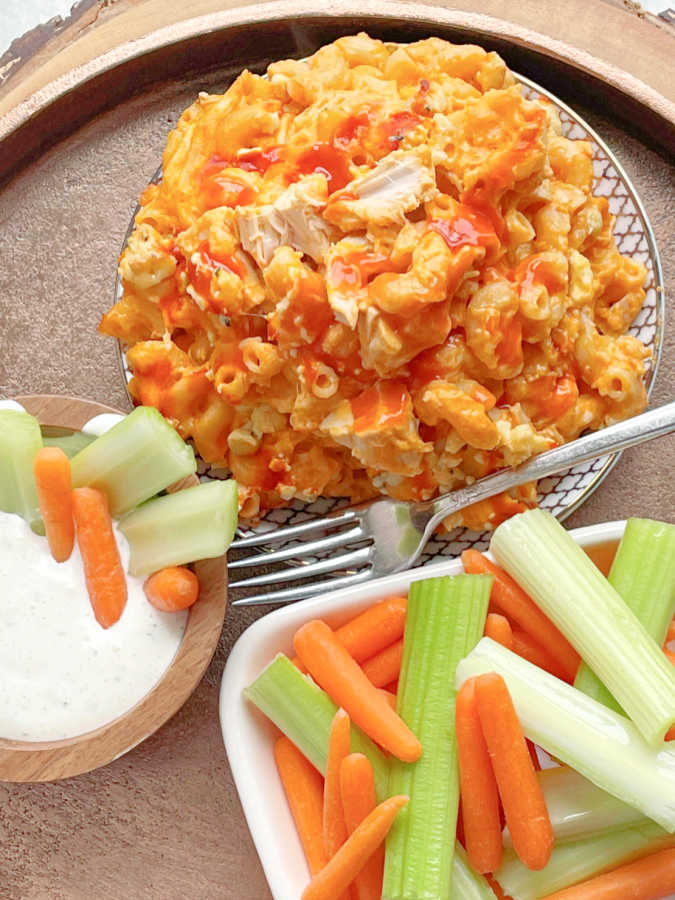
[399,183]
[292,220]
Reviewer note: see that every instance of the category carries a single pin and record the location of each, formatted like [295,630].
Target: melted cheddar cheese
[379,270]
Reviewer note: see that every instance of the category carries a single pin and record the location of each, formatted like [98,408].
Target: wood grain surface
[52,760]
[164,821]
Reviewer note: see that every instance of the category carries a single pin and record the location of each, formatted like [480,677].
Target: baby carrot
[357,786]
[51,468]
[499,629]
[373,630]
[103,572]
[670,656]
[342,869]
[526,646]
[333,669]
[671,632]
[384,666]
[304,791]
[477,785]
[512,600]
[519,787]
[648,878]
[172,589]
[334,828]
[389,697]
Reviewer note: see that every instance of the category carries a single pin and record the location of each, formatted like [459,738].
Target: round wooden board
[53,760]
[153,41]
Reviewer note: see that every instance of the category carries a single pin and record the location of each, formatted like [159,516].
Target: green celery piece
[136,459]
[71,442]
[467,884]
[579,860]
[195,523]
[445,619]
[578,808]
[602,745]
[20,440]
[643,573]
[304,713]
[546,562]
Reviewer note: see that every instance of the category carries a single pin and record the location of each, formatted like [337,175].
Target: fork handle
[636,430]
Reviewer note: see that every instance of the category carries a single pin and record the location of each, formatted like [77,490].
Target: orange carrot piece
[532,750]
[372,630]
[648,878]
[334,828]
[304,791]
[172,589]
[477,785]
[671,632]
[497,888]
[333,669]
[392,687]
[103,572]
[51,468]
[519,787]
[513,602]
[357,785]
[384,666]
[342,869]
[525,645]
[389,697]
[670,734]
[670,656]
[499,629]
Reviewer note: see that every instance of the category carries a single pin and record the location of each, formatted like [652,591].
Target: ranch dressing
[61,673]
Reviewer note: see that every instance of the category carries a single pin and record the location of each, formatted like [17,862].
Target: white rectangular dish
[249,735]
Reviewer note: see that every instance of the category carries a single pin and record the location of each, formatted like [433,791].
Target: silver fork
[389,535]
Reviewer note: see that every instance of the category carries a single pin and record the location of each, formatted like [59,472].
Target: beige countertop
[164,821]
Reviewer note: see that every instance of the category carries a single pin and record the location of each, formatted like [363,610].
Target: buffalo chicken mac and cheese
[381,270]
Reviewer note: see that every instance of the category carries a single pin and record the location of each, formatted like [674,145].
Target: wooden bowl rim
[581,60]
[53,760]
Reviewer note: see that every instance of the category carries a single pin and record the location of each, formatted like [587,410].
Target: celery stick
[643,573]
[195,523]
[467,884]
[445,620]
[578,808]
[574,862]
[537,551]
[136,459]
[20,440]
[304,712]
[71,442]
[599,743]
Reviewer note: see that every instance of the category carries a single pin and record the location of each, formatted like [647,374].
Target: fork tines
[352,564]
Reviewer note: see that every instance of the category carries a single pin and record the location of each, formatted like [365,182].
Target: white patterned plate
[560,494]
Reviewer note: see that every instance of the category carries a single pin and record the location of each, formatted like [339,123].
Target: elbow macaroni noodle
[379,270]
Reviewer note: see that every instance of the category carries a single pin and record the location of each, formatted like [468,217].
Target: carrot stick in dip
[385,666]
[51,468]
[519,787]
[357,786]
[172,589]
[304,791]
[342,869]
[648,878]
[334,827]
[105,578]
[512,600]
[333,669]
[477,784]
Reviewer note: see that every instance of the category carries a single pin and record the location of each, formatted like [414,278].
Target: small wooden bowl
[52,760]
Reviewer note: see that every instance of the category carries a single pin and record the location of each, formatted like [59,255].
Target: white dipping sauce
[100,424]
[61,673]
